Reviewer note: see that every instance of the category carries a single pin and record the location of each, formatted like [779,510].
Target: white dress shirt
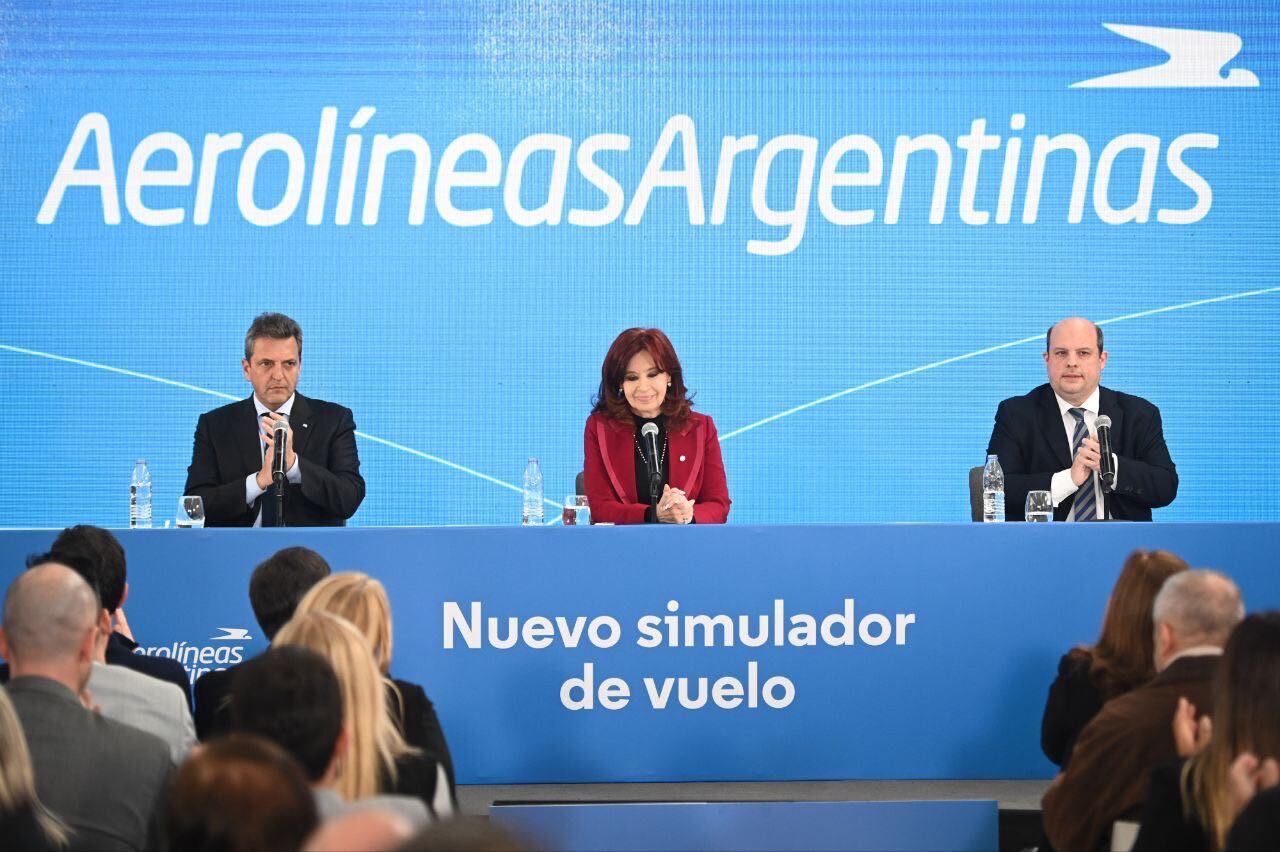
[294,474]
[1061,486]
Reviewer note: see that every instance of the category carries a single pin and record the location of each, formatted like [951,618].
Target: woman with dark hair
[641,383]
[1121,659]
[1192,805]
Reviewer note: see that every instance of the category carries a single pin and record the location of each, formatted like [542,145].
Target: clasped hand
[673,507]
[1088,459]
[267,423]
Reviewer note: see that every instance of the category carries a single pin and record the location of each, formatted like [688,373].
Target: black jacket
[1032,445]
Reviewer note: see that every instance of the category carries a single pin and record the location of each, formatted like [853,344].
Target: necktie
[1085,506]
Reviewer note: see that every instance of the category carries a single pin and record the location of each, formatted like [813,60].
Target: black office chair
[580,483]
[975,493]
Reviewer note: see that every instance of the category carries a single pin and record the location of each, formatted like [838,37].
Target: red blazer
[693,459]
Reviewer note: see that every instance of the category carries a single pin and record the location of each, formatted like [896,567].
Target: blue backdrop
[853,377]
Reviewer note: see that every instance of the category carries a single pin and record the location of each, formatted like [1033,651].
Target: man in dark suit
[1046,440]
[231,461]
[1106,780]
[275,589]
[104,779]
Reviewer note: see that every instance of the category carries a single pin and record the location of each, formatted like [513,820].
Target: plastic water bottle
[532,514]
[140,497]
[992,491]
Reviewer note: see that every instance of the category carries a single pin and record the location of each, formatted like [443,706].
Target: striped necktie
[1085,506]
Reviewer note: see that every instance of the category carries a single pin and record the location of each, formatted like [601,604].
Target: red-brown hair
[609,400]
[1124,655]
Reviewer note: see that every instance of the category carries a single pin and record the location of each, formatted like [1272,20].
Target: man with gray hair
[231,460]
[1106,780]
[102,778]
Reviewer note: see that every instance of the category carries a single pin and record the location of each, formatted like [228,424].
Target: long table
[733,653]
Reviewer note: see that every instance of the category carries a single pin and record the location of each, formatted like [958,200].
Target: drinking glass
[1039,506]
[576,512]
[190,512]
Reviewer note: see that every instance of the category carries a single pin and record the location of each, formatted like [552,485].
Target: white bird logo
[1196,60]
[231,634]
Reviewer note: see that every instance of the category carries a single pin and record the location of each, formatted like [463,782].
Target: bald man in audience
[1106,780]
[102,778]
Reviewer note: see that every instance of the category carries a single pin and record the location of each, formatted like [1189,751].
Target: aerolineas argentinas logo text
[221,652]
[779,175]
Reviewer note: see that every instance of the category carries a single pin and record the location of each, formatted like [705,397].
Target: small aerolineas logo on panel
[232,634]
[1196,60]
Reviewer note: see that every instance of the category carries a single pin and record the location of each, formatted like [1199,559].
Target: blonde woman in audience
[24,822]
[1191,805]
[362,600]
[376,744]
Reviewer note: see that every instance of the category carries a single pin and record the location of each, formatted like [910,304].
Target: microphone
[649,432]
[278,469]
[1107,468]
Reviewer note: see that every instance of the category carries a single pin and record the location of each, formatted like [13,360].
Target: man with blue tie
[1047,439]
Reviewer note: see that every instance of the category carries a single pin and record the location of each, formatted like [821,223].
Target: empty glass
[576,511]
[1039,506]
[190,512]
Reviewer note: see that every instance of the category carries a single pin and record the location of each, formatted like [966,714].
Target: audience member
[376,743]
[1121,659]
[362,600]
[291,696]
[465,834]
[25,823]
[1106,779]
[100,777]
[105,554]
[275,588]
[128,696]
[1191,804]
[1257,829]
[239,794]
[360,831]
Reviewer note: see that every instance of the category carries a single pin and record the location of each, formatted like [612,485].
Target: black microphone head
[1103,422]
[649,430]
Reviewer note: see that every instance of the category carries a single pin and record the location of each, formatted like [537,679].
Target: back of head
[361,600]
[290,696]
[1246,716]
[375,741]
[103,552]
[1200,607]
[1124,656]
[239,793]
[280,582]
[48,610]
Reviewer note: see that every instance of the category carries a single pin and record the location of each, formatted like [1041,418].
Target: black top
[1164,825]
[416,774]
[1258,826]
[1072,703]
[213,714]
[643,492]
[20,830]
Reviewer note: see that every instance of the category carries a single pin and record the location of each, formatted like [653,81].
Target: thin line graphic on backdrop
[133,374]
[726,436]
[987,350]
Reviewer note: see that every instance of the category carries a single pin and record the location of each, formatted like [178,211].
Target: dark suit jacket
[1258,826]
[1164,824]
[213,715]
[416,774]
[1032,445]
[103,778]
[693,456]
[227,449]
[1106,779]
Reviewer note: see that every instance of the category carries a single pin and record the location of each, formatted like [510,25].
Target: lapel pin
[682,458]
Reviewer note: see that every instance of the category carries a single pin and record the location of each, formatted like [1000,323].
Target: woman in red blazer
[641,382]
